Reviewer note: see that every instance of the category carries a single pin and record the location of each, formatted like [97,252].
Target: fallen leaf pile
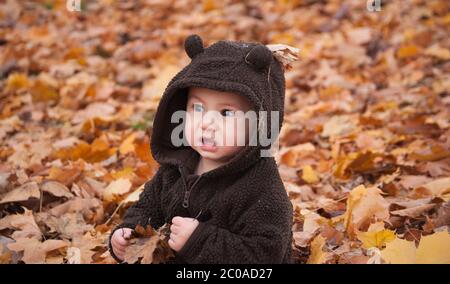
[364,151]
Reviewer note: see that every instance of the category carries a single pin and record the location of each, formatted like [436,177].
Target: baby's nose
[208,120]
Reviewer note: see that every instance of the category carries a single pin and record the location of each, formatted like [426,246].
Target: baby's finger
[118,251]
[174,237]
[127,234]
[174,229]
[177,220]
[122,241]
[172,244]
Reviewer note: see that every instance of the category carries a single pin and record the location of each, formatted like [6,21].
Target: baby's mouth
[208,141]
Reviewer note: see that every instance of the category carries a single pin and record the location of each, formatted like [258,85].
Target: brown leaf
[414,211]
[24,224]
[22,193]
[90,208]
[56,189]
[34,250]
[83,248]
[148,246]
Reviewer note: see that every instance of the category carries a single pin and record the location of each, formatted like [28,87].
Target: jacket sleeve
[146,211]
[261,235]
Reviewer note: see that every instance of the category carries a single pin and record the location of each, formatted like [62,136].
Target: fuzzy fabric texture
[244,212]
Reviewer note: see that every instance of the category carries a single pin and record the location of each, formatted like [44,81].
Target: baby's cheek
[189,130]
[234,132]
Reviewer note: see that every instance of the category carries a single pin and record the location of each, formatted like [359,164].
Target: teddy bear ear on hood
[193,45]
[260,57]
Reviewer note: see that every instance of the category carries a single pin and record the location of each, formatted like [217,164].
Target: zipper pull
[186,199]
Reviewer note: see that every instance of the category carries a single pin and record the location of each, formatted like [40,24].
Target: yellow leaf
[126,172]
[399,252]
[446,19]
[309,175]
[17,81]
[209,5]
[155,88]
[375,239]
[432,249]
[127,145]
[41,92]
[142,147]
[407,51]
[317,255]
[340,170]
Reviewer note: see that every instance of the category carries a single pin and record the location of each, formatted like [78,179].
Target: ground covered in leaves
[364,151]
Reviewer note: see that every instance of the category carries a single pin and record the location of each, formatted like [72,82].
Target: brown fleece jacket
[244,212]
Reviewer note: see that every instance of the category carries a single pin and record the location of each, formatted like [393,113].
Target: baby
[224,199]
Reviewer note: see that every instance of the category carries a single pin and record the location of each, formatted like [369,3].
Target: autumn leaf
[22,193]
[116,188]
[311,225]
[375,239]
[309,175]
[433,248]
[127,145]
[34,250]
[363,204]
[83,248]
[24,224]
[56,189]
[148,246]
[318,255]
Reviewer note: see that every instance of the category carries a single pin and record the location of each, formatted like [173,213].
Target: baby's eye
[198,108]
[227,112]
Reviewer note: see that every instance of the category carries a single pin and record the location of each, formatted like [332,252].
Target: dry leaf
[318,255]
[363,205]
[22,193]
[24,224]
[433,248]
[116,188]
[143,247]
[56,189]
[285,54]
[34,250]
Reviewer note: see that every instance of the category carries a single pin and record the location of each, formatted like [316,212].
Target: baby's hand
[119,241]
[181,229]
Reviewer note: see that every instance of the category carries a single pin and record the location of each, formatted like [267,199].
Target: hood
[248,69]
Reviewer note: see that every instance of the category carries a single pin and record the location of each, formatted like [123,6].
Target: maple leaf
[363,204]
[375,239]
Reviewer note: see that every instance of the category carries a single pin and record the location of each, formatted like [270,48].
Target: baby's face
[215,123]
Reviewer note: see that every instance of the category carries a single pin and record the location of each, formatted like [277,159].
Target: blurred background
[365,148]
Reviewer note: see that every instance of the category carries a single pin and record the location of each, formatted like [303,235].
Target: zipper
[187,191]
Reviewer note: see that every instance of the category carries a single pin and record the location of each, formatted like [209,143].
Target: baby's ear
[260,57]
[193,45]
